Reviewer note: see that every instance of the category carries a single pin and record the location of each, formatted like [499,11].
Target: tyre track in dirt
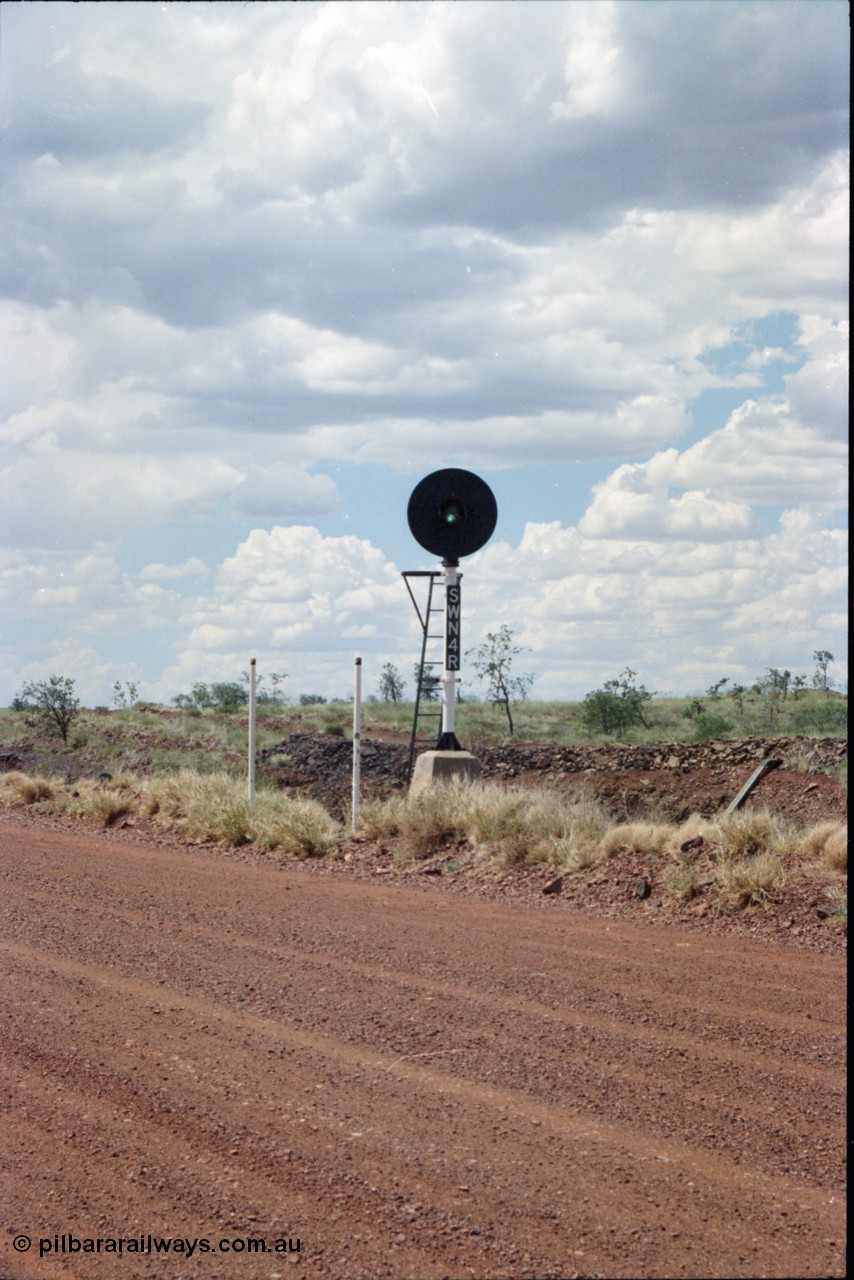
[413,1084]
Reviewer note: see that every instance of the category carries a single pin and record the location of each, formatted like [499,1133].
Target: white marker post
[357,741]
[252,731]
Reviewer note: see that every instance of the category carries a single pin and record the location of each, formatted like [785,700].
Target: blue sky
[267,265]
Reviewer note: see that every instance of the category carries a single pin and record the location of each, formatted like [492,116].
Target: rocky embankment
[795,753]
[321,766]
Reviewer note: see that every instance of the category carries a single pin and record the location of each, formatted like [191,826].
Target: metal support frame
[426,619]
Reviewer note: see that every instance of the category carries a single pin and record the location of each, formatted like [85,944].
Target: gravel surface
[408,1081]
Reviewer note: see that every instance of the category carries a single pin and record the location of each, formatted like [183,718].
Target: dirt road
[407,1082]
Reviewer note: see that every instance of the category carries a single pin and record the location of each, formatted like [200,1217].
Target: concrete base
[433,767]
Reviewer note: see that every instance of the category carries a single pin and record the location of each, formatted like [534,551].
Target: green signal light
[452,511]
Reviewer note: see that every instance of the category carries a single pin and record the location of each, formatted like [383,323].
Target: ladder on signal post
[428,621]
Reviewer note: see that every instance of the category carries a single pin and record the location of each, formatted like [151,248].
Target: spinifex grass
[514,827]
[745,881]
[210,808]
[215,808]
[827,843]
[740,860]
[21,788]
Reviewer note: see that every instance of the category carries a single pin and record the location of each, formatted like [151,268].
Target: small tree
[738,693]
[772,689]
[709,725]
[53,701]
[266,697]
[605,712]
[822,659]
[779,682]
[431,685]
[200,698]
[124,696]
[493,662]
[228,695]
[392,683]
[617,705]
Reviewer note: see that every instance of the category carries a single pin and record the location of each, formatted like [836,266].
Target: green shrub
[617,706]
[708,725]
[824,717]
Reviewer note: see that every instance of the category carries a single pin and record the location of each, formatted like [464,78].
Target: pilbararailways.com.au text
[148,1243]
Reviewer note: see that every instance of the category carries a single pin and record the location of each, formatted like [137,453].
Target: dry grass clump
[745,881]
[749,856]
[746,833]
[738,860]
[638,837]
[210,808]
[21,788]
[214,808]
[574,829]
[826,843]
[683,879]
[107,799]
[429,821]
[739,856]
[381,819]
[102,802]
[513,826]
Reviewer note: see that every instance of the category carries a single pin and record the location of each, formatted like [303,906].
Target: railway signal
[451,513]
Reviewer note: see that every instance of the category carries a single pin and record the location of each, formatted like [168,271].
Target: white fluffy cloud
[781,450]
[298,602]
[682,613]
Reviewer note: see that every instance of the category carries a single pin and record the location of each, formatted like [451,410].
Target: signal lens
[452,511]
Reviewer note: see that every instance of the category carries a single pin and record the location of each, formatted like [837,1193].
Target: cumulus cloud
[780,450]
[299,602]
[192,567]
[683,613]
[583,607]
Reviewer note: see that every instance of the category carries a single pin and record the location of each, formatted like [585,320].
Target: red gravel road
[409,1082]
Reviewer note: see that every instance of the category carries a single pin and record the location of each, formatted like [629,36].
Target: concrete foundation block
[433,767]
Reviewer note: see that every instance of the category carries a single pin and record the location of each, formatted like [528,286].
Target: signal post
[451,513]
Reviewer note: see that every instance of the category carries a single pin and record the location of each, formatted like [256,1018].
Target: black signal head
[452,513]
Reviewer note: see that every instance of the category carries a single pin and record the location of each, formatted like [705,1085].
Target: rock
[554,886]
[643,889]
[696,843]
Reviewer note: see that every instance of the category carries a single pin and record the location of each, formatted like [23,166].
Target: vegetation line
[735,862]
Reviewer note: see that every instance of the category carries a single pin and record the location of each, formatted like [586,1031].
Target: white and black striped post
[453,656]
